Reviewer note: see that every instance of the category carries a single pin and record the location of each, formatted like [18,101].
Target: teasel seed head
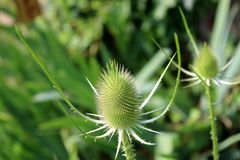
[117,100]
[206,63]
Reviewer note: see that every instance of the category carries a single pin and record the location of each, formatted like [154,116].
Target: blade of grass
[225,144]
[219,24]
[229,141]
[222,24]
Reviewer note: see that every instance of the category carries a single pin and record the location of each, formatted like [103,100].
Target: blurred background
[76,38]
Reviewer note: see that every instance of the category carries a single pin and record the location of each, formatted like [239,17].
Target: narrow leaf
[188,31]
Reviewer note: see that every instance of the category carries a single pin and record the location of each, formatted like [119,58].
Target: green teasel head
[206,64]
[117,100]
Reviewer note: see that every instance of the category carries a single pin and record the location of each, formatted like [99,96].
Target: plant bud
[206,63]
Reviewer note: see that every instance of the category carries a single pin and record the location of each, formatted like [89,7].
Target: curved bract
[117,98]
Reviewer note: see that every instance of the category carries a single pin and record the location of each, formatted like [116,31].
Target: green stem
[127,147]
[211,107]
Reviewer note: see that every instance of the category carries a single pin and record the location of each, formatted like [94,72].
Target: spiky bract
[206,63]
[117,100]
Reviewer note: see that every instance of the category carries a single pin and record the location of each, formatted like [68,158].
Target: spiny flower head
[117,100]
[120,108]
[206,69]
[205,63]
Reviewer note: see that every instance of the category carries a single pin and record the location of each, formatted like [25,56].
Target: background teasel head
[205,63]
[205,67]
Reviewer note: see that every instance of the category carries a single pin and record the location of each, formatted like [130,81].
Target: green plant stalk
[127,147]
[211,107]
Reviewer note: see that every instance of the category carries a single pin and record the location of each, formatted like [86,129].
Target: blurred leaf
[150,68]
[46,96]
[219,27]
[165,146]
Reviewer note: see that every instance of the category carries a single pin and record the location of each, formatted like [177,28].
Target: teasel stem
[127,147]
[211,107]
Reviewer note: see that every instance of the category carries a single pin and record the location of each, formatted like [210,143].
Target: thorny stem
[209,93]
[127,147]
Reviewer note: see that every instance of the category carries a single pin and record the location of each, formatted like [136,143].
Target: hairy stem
[127,147]
[211,107]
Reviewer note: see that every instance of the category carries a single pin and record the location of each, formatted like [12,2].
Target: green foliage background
[76,39]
